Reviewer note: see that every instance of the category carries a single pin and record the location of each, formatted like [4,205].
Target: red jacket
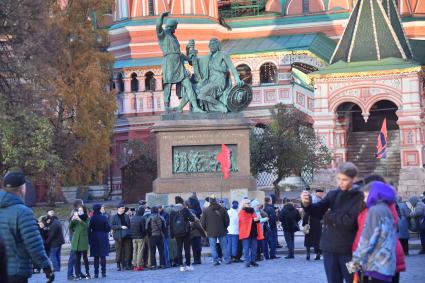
[400,257]
[245,223]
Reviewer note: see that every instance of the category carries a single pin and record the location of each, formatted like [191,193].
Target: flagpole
[221,187]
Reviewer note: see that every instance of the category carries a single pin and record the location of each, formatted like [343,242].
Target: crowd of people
[361,229]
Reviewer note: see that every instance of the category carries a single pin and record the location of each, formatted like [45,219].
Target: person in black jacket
[340,209]
[180,219]
[289,217]
[155,228]
[120,224]
[270,237]
[138,234]
[54,241]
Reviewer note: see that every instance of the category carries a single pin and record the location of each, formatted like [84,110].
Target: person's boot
[317,257]
[118,266]
[308,254]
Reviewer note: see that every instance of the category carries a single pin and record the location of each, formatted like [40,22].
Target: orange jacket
[245,222]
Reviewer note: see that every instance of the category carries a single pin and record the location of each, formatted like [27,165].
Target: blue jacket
[19,231]
[99,235]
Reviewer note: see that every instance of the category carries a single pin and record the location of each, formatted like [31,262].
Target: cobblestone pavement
[282,270]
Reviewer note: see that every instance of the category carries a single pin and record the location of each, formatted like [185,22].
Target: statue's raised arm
[159,23]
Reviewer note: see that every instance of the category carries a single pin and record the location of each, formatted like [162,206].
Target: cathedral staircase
[362,149]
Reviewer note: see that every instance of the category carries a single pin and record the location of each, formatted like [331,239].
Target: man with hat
[173,70]
[120,225]
[19,231]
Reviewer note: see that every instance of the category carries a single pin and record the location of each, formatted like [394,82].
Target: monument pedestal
[187,146]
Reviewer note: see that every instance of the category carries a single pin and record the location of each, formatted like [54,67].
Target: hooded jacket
[400,257]
[376,251]
[19,231]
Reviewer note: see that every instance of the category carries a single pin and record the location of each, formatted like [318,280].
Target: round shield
[239,98]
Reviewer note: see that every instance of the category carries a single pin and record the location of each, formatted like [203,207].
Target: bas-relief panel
[201,159]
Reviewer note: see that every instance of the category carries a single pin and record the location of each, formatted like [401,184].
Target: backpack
[179,224]
[156,225]
[416,224]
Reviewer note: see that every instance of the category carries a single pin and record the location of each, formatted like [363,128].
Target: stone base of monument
[187,148]
[153,199]
[411,182]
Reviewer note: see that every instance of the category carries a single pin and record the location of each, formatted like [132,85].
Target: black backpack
[179,224]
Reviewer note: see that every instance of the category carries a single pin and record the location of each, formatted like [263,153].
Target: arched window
[134,83]
[111,84]
[120,83]
[150,81]
[151,7]
[268,73]
[306,8]
[244,72]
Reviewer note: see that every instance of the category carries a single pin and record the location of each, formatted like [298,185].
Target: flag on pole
[224,159]
[382,141]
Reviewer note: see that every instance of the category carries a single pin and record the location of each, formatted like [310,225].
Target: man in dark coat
[312,238]
[19,230]
[339,209]
[99,229]
[270,237]
[138,234]
[122,236]
[289,217]
[215,221]
[54,241]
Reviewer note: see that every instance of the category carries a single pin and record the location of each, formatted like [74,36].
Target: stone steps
[362,149]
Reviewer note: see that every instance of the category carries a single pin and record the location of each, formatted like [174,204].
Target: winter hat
[235,202]
[380,191]
[178,199]
[121,204]
[255,203]
[97,207]
[414,200]
[154,209]
[13,179]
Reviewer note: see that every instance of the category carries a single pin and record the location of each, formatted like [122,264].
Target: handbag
[306,227]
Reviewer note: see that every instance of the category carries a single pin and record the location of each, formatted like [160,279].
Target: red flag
[382,141]
[224,158]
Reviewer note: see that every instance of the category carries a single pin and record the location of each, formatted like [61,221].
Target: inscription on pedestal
[201,159]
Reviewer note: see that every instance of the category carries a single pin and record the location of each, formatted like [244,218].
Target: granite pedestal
[192,140]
